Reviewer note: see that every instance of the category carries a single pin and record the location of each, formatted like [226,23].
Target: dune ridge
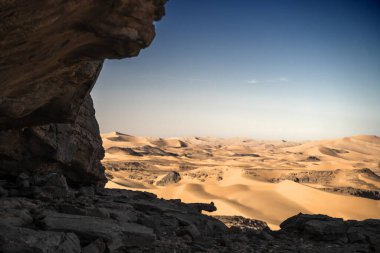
[264,180]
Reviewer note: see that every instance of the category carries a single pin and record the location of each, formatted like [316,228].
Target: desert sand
[264,180]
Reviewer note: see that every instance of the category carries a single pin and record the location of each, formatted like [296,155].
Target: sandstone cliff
[51,53]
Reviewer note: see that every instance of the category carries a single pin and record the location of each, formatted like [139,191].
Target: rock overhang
[51,54]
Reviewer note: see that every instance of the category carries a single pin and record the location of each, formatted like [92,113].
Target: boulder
[72,149]
[26,240]
[16,211]
[51,186]
[245,224]
[15,217]
[326,230]
[199,207]
[118,236]
[298,221]
[97,246]
[171,178]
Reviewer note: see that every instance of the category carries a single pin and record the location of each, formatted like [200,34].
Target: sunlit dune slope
[252,178]
[272,203]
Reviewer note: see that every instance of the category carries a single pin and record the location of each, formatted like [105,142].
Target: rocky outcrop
[51,53]
[323,177]
[330,180]
[73,149]
[72,220]
[344,236]
[94,219]
[369,194]
[171,178]
[242,223]
[15,239]
[313,159]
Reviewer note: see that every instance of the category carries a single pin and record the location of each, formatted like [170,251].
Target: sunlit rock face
[51,53]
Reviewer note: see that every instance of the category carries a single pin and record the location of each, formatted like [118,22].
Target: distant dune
[265,180]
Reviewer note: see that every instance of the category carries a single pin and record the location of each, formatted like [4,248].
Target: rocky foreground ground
[43,214]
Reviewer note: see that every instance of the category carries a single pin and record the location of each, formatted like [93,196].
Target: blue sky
[268,69]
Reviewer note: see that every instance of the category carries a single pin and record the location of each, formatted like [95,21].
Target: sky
[264,69]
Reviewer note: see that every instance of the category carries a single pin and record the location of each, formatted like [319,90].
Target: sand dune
[116,139]
[170,143]
[265,180]
[265,201]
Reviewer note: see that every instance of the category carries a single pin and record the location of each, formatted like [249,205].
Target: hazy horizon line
[240,137]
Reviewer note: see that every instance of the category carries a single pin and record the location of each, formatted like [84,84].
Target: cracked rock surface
[94,219]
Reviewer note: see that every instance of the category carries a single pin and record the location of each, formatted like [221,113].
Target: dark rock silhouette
[326,177]
[171,178]
[73,149]
[248,155]
[51,55]
[369,194]
[312,159]
[94,219]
